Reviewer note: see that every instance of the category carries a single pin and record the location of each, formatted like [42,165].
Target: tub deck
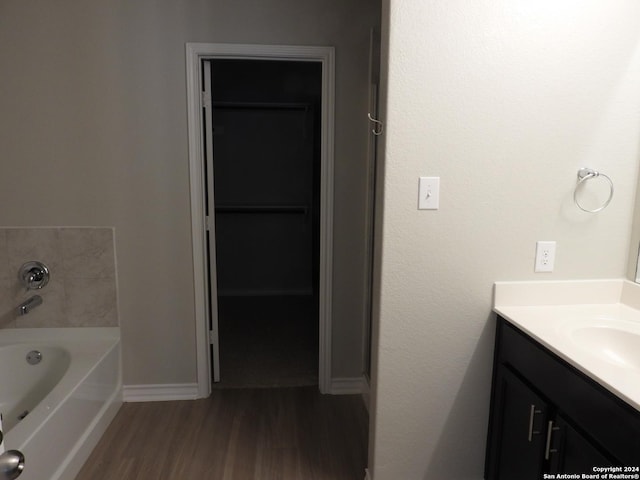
[58,435]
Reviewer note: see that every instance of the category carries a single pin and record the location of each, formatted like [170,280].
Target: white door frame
[195,52]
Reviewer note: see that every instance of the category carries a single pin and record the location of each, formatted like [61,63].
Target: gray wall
[93,131]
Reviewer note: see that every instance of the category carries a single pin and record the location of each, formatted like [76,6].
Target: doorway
[235,286]
[264,189]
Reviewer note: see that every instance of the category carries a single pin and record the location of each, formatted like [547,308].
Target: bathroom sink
[592,325]
[615,345]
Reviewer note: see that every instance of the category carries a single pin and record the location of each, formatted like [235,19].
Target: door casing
[195,52]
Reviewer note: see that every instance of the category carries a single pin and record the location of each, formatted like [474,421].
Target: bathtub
[56,410]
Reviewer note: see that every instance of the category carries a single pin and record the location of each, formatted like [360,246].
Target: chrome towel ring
[585,174]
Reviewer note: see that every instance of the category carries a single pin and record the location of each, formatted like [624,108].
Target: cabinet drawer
[609,421]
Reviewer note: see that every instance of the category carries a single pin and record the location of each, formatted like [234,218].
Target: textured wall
[81,291]
[93,129]
[504,100]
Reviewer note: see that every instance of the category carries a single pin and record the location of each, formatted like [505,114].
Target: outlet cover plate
[545,256]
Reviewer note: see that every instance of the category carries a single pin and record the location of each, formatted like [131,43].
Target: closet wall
[266,173]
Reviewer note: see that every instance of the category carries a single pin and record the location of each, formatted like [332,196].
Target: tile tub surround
[82,288]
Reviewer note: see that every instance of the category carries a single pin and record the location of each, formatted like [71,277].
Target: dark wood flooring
[236,434]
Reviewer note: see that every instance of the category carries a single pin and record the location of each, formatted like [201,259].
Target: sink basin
[616,344]
[592,325]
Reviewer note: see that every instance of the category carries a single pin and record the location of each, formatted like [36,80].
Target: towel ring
[585,174]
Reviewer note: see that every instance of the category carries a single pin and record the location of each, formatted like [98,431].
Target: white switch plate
[545,256]
[429,193]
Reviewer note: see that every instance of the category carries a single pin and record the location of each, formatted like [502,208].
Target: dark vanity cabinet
[548,417]
[521,436]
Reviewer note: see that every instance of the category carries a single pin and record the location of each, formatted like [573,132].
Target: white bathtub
[69,397]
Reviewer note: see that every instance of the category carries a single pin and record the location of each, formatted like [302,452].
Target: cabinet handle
[531,416]
[548,450]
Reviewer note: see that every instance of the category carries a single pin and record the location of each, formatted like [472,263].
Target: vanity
[565,394]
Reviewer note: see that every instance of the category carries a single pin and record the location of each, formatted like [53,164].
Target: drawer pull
[532,414]
[548,450]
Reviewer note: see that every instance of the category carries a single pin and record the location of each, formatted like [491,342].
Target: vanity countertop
[593,324]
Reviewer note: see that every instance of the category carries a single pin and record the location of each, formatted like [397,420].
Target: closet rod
[262,209]
[263,105]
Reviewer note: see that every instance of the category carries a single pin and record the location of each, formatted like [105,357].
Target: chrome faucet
[34,275]
[11,464]
[29,304]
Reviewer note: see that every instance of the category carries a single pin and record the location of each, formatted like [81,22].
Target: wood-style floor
[236,434]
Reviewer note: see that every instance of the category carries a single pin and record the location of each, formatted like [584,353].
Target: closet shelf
[263,105]
[286,209]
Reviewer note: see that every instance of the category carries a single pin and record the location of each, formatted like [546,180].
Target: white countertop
[594,325]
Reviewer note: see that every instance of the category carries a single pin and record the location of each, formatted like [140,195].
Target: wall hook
[377,125]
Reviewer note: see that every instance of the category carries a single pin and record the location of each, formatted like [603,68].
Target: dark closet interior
[266,171]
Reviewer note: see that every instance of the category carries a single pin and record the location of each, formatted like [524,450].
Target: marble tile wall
[82,288]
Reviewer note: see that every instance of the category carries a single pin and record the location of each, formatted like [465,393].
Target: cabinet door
[570,452]
[518,432]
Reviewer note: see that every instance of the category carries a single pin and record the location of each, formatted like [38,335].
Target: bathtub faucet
[29,304]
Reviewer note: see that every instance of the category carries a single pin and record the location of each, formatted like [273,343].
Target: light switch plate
[429,193]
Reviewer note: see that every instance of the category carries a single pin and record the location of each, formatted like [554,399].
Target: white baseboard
[189,391]
[160,393]
[348,386]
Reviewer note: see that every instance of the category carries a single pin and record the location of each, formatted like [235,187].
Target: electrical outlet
[545,256]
